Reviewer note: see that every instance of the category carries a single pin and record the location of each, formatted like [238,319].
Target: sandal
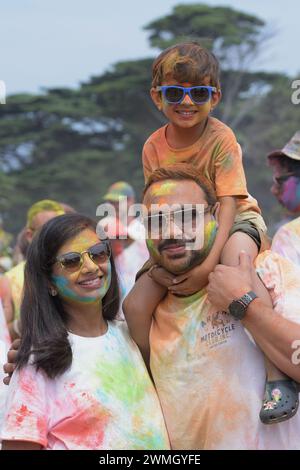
[280,401]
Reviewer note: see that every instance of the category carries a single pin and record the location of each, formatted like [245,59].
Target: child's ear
[156,98]
[215,98]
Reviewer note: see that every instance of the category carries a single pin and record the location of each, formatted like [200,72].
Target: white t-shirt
[106,400]
[286,241]
[210,376]
[128,263]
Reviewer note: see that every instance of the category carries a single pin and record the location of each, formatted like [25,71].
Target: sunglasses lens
[200,94]
[71,261]
[155,223]
[174,94]
[99,253]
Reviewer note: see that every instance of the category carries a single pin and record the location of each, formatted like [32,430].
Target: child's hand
[161,276]
[192,281]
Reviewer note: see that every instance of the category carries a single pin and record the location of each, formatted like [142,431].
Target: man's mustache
[173,241]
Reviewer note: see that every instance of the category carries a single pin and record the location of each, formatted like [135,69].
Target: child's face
[186,114]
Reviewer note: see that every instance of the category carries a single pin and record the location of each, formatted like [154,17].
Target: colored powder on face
[64,289]
[290,196]
[152,248]
[210,232]
[163,189]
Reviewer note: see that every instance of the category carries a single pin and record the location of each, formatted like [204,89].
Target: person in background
[285,164]
[127,235]
[11,284]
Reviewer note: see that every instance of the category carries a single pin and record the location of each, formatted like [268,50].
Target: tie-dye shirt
[216,154]
[106,400]
[286,241]
[210,375]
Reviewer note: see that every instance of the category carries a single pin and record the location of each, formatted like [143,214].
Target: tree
[71,144]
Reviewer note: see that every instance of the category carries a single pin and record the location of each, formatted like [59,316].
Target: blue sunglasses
[174,94]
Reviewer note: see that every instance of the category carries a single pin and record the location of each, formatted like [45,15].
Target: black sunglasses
[73,261]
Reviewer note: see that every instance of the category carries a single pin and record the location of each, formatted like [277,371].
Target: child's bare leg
[281,398]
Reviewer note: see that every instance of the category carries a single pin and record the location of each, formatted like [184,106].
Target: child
[186,88]
[80,381]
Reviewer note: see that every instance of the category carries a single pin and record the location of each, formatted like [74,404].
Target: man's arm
[274,334]
[138,308]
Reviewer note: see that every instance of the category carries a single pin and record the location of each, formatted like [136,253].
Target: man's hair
[183,171]
[186,62]
[43,206]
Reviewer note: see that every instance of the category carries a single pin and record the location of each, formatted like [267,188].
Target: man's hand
[192,281]
[10,366]
[227,283]
[162,276]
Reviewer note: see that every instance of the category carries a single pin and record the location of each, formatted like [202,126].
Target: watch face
[237,309]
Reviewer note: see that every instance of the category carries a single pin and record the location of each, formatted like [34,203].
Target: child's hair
[43,317]
[186,62]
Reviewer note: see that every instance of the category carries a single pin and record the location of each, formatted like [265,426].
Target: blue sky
[47,43]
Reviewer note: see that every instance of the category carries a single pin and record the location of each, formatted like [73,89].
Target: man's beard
[197,256]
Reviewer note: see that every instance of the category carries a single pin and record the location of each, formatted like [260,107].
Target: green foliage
[70,145]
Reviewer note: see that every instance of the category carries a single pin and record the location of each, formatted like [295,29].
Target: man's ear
[156,98]
[215,211]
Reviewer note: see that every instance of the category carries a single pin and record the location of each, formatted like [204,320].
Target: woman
[80,381]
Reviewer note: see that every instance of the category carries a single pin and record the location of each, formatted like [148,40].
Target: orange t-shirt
[216,154]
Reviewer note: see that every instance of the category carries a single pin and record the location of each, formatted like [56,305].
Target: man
[208,372]
[285,165]
[11,284]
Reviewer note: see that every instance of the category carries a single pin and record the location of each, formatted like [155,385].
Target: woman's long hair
[43,317]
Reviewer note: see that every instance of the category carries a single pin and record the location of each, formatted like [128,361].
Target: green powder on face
[152,248]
